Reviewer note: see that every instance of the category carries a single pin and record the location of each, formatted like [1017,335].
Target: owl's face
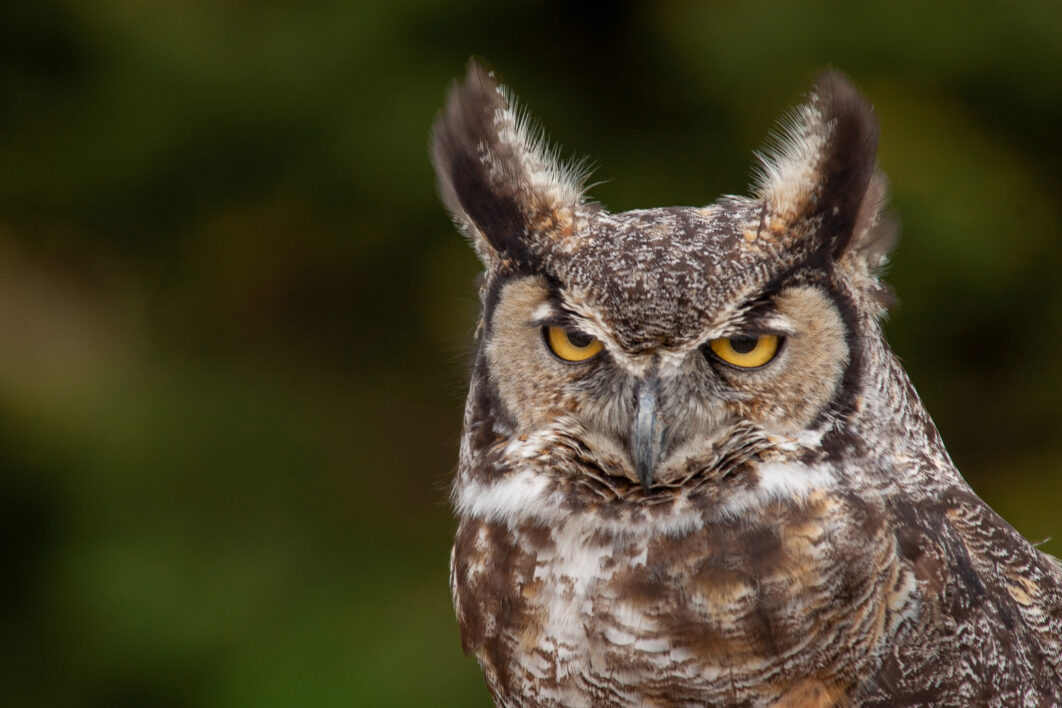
[649,386]
[638,350]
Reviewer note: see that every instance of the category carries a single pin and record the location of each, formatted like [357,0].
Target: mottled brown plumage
[673,518]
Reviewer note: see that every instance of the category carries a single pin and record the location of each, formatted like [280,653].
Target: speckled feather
[805,539]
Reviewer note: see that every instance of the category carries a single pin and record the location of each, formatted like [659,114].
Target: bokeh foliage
[233,317]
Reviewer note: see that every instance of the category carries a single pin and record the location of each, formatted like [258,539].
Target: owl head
[627,357]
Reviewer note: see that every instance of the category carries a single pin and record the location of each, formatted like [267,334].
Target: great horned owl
[692,471]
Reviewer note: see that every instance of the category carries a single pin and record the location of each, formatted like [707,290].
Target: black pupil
[743,345]
[579,339]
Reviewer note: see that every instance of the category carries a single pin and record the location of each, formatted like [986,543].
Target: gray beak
[647,434]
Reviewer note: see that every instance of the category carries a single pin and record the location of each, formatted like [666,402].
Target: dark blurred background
[234,318]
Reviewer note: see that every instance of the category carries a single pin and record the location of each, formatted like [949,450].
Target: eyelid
[752,332]
[761,333]
[770,323]
[558,319]
[554,321]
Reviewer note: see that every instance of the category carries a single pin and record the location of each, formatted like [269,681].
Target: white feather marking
[618,637]
[546,174]
[571,571]
[521,495]
[779,481]
[543,312]
[788,171]
[504,500]
[653,645]
[902,602]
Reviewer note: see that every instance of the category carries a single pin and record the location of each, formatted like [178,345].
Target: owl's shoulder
[989,623]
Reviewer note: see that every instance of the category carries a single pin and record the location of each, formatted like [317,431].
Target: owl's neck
[891,429]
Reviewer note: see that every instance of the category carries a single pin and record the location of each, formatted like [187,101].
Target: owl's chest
[571,615]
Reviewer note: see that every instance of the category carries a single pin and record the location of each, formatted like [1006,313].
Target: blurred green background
[234,319]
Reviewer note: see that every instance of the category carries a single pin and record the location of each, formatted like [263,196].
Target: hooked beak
[647,434]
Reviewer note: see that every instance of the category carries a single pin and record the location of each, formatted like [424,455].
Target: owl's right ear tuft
[503,185]
[819,176]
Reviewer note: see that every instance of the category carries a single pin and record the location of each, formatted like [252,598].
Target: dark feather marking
[487,408]
[495,594]
[465,143]
[492,296]
[838,440]
[849,160]
[497,216]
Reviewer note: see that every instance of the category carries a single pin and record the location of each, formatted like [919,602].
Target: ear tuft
[818,167]
[497,176]
[875,231]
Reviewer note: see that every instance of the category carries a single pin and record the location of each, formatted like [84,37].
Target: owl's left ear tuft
[819,177]
[503,185]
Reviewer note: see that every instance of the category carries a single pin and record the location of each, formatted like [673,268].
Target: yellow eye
[571,344]
[746,352]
